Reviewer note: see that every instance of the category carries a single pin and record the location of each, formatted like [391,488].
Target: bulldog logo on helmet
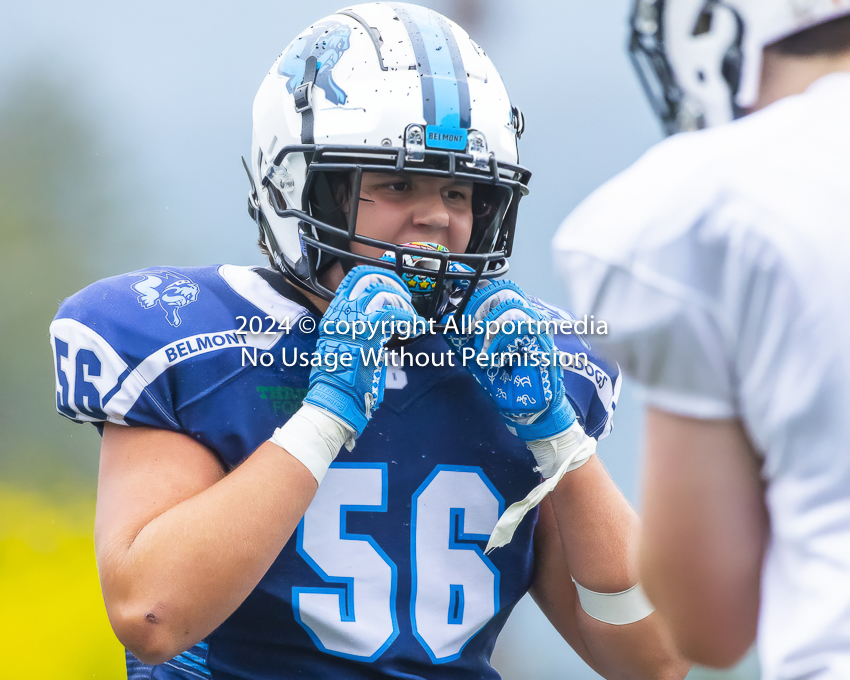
[327,42]
[178,293]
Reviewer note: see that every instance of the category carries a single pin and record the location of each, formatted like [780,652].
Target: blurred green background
[57,200]
[121,128]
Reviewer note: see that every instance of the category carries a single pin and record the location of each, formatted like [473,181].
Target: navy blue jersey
[386,575]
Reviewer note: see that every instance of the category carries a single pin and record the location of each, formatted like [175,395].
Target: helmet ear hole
[733,60]
[703,23]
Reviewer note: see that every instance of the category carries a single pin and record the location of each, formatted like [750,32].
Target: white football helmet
[386,87]
[700,60]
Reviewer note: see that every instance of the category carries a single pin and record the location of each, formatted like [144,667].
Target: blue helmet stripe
[459,70]
[445,91]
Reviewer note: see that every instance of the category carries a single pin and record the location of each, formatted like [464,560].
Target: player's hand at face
[514,359]
[510,353]
[371,304]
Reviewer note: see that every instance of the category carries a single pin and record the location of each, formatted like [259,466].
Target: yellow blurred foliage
[53,623]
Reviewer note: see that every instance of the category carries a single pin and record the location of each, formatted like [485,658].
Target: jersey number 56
[455,588]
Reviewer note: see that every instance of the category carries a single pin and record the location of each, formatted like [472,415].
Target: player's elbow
[713,621]
[709,635]
[713,649]
[146,633]
[153,629]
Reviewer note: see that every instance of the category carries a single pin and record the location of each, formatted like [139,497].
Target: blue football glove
[370,305]
[514,359]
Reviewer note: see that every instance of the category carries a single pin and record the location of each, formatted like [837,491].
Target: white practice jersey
[721,263]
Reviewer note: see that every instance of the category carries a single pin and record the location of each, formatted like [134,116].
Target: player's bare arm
[587,531]
[180,544]
[706,529]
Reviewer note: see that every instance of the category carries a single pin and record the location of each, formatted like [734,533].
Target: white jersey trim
[242,280]
[78,337]
[683,404]
[255,289]
[174,353]
[603,382]
[246,283]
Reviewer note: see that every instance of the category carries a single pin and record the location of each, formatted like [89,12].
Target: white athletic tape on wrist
[617,609]
[551,453]
[314,436]
[569,450]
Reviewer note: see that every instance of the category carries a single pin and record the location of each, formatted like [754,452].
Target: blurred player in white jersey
[721,263]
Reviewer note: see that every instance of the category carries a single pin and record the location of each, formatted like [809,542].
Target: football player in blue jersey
[279,496]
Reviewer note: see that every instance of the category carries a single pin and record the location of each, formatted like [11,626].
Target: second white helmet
[700,60]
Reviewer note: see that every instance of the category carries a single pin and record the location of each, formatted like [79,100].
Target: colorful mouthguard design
[423,283]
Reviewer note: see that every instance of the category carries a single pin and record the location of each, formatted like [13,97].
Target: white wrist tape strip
[618,609]
[569,445]
[314,436]
[569,450]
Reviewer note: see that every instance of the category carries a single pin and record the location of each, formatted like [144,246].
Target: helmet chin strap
[304,101]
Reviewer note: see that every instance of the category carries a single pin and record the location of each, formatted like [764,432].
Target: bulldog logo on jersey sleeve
[168,290]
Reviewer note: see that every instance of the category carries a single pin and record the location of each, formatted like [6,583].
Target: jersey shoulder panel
[121,344]
[591,381]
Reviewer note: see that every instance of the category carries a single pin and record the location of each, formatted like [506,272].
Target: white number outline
[84,388]
[456,516]
[345,591]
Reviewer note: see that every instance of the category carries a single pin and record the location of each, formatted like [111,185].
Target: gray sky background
[169,87]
